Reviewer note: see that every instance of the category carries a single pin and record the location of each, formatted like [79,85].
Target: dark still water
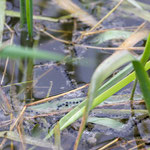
[30,80]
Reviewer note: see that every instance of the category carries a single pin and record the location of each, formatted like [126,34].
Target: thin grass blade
[99,76]
[77,112]
[76,11]
[103,71]
[146,53]
[110,35]
[113,88]
[29,16]
[22,52]
[12,13]
[131,41]
[57,137]
[12,135]
[144,82]
[134,3]
[110,123]
[2,17]
[23,19]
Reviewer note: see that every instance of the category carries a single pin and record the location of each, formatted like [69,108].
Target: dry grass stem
[18,118]
[19,128]
[76,11]
[49,114]
[7,60]
[106,16]
[139,34]
[109,144]
[110,48]
[99,23]
[137,146]
[53,37]
[130,28]
[57,96]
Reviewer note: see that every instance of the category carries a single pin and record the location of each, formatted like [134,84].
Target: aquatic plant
[98,90]
[101,73]
[26,13]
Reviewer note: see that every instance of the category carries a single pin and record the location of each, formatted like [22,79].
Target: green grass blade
[23,13]
[99,76]
[77,112]
[144,82]
[134,3]
[118,77]
[69,118]
[22,52]
[2,17]
[57,137]
[146,53]
[53,105]
[29,16]
[110,123]
[12,13]
[103,71]
[110,35]
[14,136]
[145,6]
[144,58]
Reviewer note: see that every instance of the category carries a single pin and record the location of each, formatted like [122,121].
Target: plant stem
[22,13]
[133,89]
[29,15]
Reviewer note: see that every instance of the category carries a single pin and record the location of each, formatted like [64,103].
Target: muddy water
[52,78]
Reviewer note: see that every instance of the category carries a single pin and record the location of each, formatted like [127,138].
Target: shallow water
[52,78]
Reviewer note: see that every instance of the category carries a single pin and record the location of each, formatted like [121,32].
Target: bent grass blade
[76,11]
[15,52]
[77,111]
[103,71]
[110,89]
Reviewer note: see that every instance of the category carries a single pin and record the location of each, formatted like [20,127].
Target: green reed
[26,13]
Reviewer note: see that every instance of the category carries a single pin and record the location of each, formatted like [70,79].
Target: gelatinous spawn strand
[69,103]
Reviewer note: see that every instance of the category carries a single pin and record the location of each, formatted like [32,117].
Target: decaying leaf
[137,36]
[76,11]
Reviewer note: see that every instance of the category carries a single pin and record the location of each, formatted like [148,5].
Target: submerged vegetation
[37,121]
